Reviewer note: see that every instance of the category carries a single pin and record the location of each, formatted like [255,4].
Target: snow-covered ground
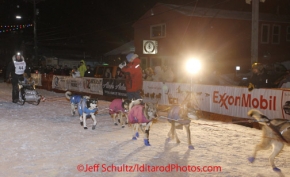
[45,140]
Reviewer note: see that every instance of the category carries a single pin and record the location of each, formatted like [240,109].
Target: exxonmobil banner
[226,100]
[237,101]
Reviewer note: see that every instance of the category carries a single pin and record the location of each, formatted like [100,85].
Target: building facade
[169,34]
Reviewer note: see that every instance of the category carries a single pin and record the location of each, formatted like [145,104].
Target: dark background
[91,27]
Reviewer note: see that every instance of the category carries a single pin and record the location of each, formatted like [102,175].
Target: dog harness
[174,115]
[277,129]
[116,106]
[136,115]
[82,108]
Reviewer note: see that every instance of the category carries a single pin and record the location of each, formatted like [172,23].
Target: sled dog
[87,108]
[178,118]
[119,108]
[142,117]
[275,133]
[74,101]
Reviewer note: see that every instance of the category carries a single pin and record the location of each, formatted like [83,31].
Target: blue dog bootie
[146,142]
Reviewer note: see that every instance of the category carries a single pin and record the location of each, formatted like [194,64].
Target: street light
[238,68]
[18,17]
[193,65]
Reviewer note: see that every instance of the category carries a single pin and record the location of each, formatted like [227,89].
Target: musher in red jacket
[133,76]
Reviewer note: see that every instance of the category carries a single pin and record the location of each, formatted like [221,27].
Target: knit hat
[131,56]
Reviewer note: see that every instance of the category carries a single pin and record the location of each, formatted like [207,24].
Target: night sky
[96,26]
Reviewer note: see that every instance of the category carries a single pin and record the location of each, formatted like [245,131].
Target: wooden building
[169,34]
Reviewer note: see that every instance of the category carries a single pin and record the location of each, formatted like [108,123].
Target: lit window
[276,34]
[158,31]
[265,34]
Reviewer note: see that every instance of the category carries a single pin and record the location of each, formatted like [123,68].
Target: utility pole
[35,13]
[255,29]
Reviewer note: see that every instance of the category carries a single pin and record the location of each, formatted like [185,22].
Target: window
[265,34]
[276,34]
[158,31]
[288,33]
[143,62]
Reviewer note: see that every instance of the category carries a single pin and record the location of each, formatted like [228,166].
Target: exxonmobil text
[244,100]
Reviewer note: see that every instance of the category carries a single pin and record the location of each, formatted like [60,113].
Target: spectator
[168,75]
[89,72]
[65,71]
[158,74]
[108,73]
[82,68]
[259,78]
[149,73]
[133,76]
[75,72]
[119,74]
[57,70]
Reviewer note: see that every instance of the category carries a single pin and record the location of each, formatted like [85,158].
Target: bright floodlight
[193,66]
[18,17]
[238,68]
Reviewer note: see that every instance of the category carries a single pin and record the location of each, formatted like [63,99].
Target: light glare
[193,66]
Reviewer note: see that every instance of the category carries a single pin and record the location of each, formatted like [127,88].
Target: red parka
[133,76]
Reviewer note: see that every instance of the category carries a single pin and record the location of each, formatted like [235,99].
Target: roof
[123,49]
[225,14]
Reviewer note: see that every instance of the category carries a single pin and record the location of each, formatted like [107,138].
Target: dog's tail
[256,114]
[68,94]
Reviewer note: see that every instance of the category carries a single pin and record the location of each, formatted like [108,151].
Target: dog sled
[27,93]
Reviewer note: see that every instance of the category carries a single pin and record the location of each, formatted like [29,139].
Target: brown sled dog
[178,118]
[275,133]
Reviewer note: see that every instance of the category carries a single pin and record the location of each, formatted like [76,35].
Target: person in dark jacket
[89,72]
[259,78]
[15,72]
[133,76]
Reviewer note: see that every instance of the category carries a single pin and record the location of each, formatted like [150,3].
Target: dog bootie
[251,159]
[276,169]
[190,147]
[134,138]
[115,124]
[146,142]
[137,134]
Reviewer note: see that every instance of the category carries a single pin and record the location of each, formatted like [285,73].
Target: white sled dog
[178,118]
[87,108]
[275,133]
[142,117]
[74,101]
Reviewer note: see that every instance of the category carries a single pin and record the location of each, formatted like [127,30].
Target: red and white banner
[225,100]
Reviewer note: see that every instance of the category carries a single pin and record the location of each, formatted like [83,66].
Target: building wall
[225,43]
